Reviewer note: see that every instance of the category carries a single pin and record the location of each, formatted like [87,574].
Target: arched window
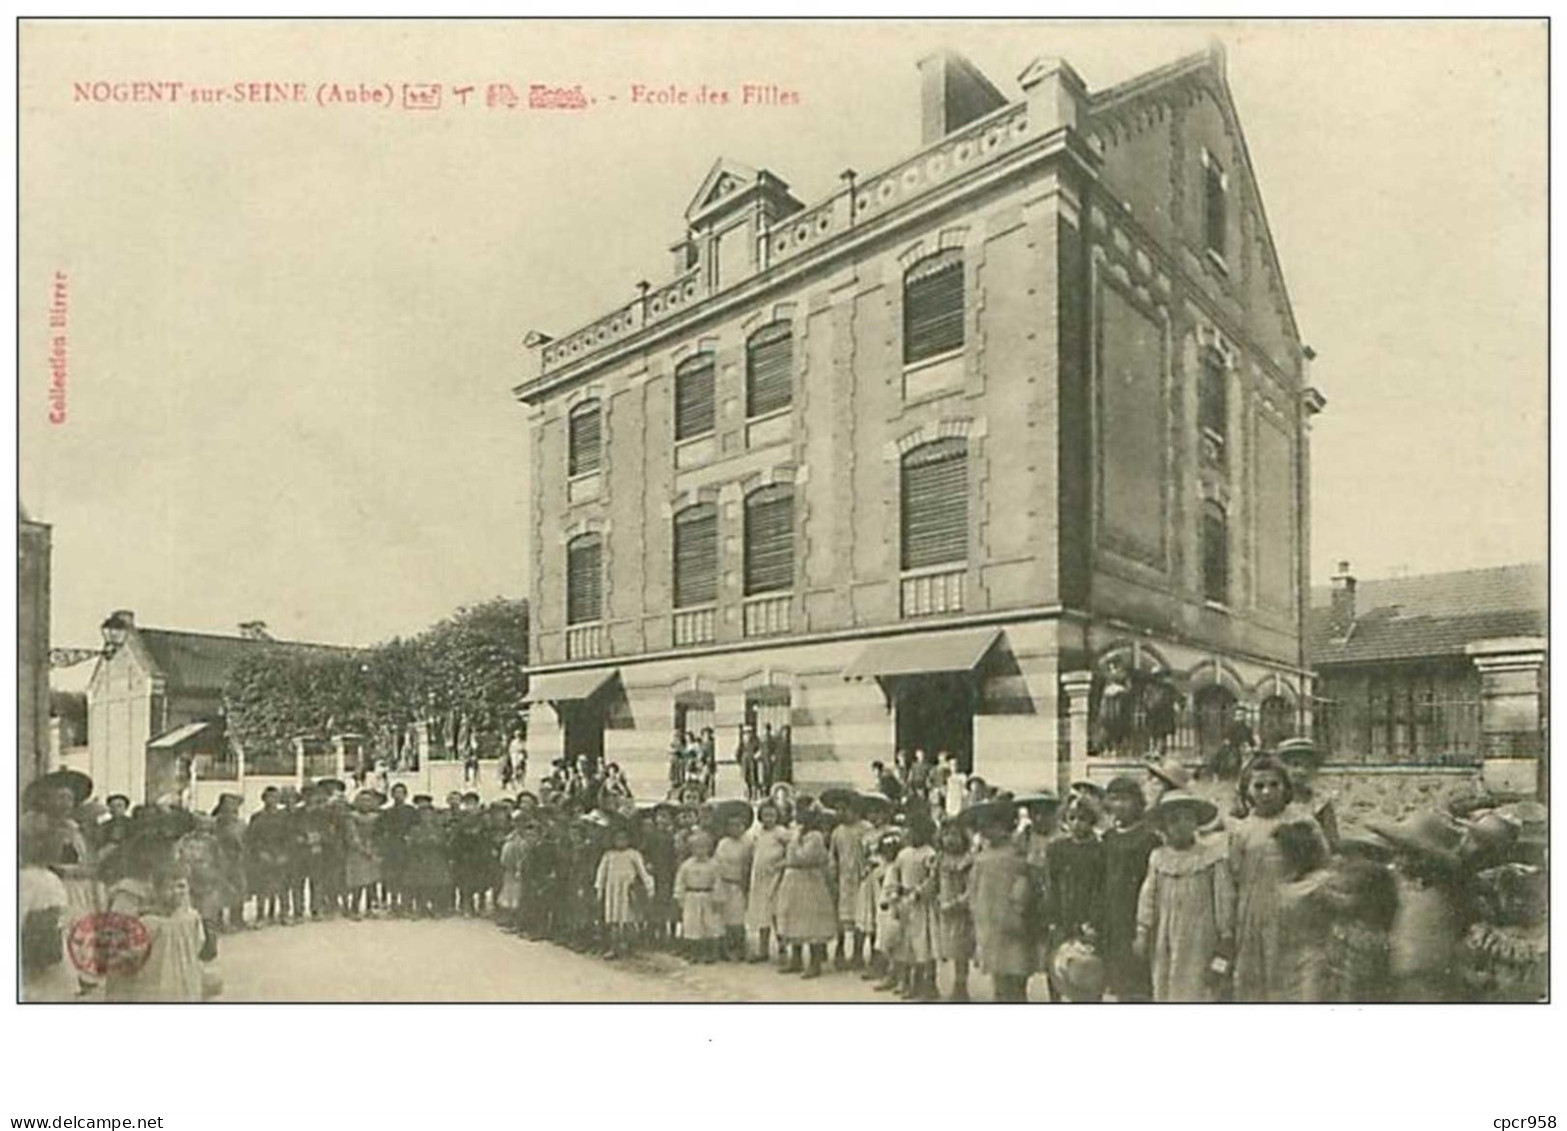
[584,579]
[769,539]
[933,306]
[934,503]
[696,556]
[769,369]
[584,440]
[1213,403]
[1275,721]
[694,403]
[1215,554]
[1214,707]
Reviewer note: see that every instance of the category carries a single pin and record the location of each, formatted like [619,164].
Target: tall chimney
[1343,609]
[953,93]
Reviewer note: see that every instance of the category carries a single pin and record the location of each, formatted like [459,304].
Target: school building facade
[938,460]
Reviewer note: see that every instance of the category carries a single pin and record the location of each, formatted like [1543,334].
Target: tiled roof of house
[196,661]
[1437,614]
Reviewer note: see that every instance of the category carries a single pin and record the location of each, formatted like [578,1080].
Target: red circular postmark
[107,942]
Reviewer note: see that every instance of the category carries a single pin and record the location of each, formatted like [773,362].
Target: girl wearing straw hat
[1186,909]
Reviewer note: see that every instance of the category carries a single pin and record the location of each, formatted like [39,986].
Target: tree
[466,674]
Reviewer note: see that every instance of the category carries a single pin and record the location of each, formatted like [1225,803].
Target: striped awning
[565,687]
[923,654]
[179,736]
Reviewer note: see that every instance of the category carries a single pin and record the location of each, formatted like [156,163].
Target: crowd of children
[1140,890]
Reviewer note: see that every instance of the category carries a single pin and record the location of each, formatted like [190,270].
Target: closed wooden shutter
[696,556]
[694,403]
[933,306]
[584,579]
[935,504]
[769,540]
[769,369]
[584,441]
[1215,554]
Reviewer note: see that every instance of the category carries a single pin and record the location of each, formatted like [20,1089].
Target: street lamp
[116,629]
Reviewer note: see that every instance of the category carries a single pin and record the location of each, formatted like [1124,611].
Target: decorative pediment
[724,181]
[729,185]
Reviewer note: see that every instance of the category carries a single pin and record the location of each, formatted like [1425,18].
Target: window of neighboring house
[934,503]
[696,556]
[694,403]
[933,306]
[1215,204]
[769,369]
[769,539]
[1215,554]
[584,447]
[584,579]
[1213,404]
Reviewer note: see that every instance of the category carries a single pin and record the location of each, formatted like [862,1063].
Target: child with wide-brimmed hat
[1186,909]
[1425,940]
[1001,898]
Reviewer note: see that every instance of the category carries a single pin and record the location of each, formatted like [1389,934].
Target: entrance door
[936,713]
[582,727]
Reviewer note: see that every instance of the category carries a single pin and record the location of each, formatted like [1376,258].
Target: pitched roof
[1437,614]
[197,661]
[1206,68]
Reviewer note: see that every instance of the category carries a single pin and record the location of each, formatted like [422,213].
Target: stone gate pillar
[1512,722]
[1073,764]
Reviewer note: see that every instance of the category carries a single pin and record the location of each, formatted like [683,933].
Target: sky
[292,329]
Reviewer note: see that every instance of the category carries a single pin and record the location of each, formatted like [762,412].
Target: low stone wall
[1391,791]
[1358,791]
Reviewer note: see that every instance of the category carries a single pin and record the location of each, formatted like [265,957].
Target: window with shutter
[769,369]
[769,540]
[584,579]
[583,442]
[935,503]
[933,306]
[694,404]
[696,556]
[1215,554]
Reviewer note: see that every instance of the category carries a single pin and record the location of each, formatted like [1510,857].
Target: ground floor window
[1275,721]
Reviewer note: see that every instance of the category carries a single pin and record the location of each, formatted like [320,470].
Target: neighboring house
[32,648]
[938,459]
[155,714]
[1402,666]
